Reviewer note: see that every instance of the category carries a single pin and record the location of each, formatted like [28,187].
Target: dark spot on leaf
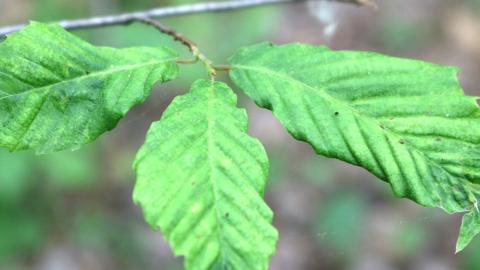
[270,44]
[336,113]
[438,139]
[87,72]
[382,126]
[267,106]
[392,118]
[227,215]
[401,141]
[193,183]
[3,38]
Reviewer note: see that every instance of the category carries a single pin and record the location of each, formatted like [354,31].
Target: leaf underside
[406,121]
[59,92]
[200,179]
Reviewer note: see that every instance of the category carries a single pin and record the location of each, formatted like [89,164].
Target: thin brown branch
[126,18]
[199,56]
[166,30]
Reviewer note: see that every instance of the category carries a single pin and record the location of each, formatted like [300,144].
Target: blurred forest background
[73,210]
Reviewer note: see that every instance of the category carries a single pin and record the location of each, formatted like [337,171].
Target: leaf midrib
[210,146]
[358,114]
[90,75]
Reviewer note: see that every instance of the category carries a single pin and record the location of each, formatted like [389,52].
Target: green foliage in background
[341,221]
[475,4]
[200,177]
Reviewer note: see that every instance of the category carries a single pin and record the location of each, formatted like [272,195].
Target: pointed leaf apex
[469,229]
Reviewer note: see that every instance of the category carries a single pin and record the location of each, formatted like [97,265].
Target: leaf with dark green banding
[200,179]
[406,121]
[59,92]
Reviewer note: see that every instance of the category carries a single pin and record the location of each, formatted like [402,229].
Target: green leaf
[200,179]
[59,92]
[408,122]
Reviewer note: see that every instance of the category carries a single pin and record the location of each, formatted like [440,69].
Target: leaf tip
[459,248]
[468,230]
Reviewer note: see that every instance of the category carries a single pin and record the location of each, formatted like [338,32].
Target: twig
[199,56]
[166,30]
[127,18]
